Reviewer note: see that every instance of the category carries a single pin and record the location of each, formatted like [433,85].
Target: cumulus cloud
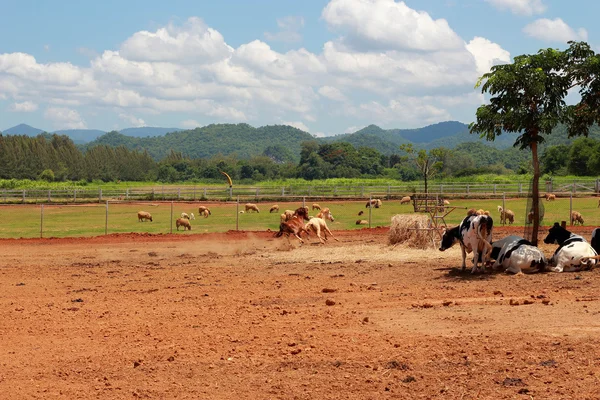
[554,30]
[372,24]
[26,106]
[520,7]
[289,30]
[132,120]
[297,124]
[384,50]
[64,118]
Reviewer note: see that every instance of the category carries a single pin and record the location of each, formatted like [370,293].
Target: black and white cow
[513,253]
[574,252]
[596,240]
[474,235]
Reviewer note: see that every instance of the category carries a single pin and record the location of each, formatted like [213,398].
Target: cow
[596,240]
[474,235]
[295,225]
[574,253]
[513,254]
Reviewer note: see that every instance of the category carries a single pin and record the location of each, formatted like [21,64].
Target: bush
[47,175]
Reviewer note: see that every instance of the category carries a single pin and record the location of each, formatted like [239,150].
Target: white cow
[474,235]
[574,253]
[513,254]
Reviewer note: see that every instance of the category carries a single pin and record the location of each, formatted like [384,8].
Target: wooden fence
[267,193]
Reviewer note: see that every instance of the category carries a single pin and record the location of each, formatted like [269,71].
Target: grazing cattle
[295,225]
[143,216]
[183,222]
[360,213]
[374,203]
[274,208]
[404,200]
[576,217]
[251,207]
[362,222]
[315,206]
[203,210]
[506,215]
[318,225]
[550,197]
[326,214]
[474,235]
[513,254]
[574,252]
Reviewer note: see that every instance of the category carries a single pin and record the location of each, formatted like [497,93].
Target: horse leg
[334,238]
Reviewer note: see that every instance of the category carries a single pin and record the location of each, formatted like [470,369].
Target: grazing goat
[295,225]
[446,203]
[143,216]
[362,222]
[202,209]
[251,207]
[374,203]
[550,197]
[506,215]
[405,200]
[315,206]
[183,222]
[318,225]
[326,214]
[274,208]
[576,217]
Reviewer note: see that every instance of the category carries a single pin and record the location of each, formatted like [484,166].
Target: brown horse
[295,225]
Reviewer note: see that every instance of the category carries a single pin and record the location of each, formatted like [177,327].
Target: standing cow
[474,235]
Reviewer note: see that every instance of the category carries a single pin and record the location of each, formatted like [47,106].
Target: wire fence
[283,193]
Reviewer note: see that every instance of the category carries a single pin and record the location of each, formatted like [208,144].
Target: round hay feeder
[412,230]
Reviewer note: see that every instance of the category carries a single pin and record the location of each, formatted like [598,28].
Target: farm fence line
[282,193]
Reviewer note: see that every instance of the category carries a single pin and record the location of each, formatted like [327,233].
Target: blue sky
[327,67]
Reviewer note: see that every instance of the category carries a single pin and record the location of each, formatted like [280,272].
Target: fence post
[467,190]
[99,195]
[74,195]
[178,193]
[23,196]
[282,191]
[237,214]
[204,194]
[230,192]
[362,191]
[127,193]
[194,192]
[49,197]
[388,192]
[441,189]
[303,202]
[106,220]
[370,208]
[571,209]
[153,194]
[520,188]
[42,222]
[172,217]
[494,188]
[503,220]
[256,195]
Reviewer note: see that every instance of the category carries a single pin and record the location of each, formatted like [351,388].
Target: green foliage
[47,175]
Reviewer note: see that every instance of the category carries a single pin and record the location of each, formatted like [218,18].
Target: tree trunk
[536,190]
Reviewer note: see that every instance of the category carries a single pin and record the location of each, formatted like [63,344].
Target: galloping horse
[295,225]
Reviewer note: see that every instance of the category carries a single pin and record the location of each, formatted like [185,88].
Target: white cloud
[64,118]
[190,124]
[487,54]
[407,110]
[386,24]
[289,28]
[521,7]
[132,119]
[331,93]
[554,30]
[26,106]
[297,124]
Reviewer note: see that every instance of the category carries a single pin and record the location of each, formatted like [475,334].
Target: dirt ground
[244,315]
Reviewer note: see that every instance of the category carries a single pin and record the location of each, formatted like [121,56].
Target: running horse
[295,225]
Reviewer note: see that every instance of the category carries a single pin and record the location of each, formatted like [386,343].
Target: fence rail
[265,193]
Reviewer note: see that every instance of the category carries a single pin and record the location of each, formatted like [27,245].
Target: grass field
[25,221]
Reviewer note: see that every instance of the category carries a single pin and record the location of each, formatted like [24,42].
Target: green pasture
[25,221]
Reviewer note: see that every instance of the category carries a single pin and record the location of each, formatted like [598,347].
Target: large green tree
[527,97]
[428,163]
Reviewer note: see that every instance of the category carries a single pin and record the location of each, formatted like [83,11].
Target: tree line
[57,158]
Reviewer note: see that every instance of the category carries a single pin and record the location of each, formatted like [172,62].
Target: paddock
[243,314]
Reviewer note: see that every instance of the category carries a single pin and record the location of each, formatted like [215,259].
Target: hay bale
[405,229]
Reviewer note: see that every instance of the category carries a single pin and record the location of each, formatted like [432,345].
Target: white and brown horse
[295,225]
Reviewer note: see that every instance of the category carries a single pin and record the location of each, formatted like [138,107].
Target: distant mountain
[23,129]
[80,136]
[242,140]
[433,132]
[146,131]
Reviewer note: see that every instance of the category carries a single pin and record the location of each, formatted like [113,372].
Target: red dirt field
[245,315]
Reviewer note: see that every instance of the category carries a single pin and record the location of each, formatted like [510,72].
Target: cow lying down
[474,235]
[515,254]
[574,253]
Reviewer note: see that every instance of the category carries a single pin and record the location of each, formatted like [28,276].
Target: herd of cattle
[514,253]
[474,234]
